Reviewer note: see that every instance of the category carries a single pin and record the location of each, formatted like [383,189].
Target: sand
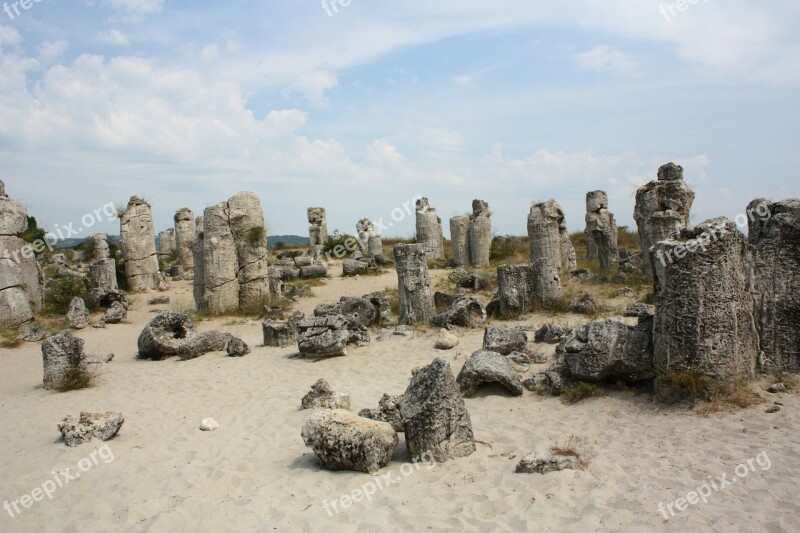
[255,474]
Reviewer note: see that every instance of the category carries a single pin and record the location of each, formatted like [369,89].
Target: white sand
[254,473]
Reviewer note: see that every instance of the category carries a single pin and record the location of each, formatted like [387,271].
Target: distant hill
[287,240]
[72,243]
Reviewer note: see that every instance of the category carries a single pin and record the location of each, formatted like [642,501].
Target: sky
[360,106]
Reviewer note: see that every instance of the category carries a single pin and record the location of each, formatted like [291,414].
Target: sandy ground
[255,474]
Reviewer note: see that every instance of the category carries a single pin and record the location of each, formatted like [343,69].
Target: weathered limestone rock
[249,232]
[101,426]
[442,300]
[166,244]
[278,334]
[357,311]
[414,284]
[473,280]
[103,274]
[352,267]
[185,228]
[583,304]
[704,309]
[21,278]
[165,336]
[552,333]
[486,366]
[369,242]
[207,342]
[388,411]
[435,418]
[446,340]
[639,310]
[198,257]
[464,312]
[317,231]
[662,209]
[323,336]
[60,354]
[103,298]
[77,315]
[322,396]
[775,236]
[480,234]
[536,463]
[601,231]
[525,288]
[220,261]
[505,340]
[100,245]
[459,235]
[547,230]
[237,348]
[429,230]
[382,306]
[313,271]
[342,440]
[609,351]
[115,314]
[137,241]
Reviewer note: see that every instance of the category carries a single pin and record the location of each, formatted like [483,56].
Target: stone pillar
[459,237]
[429,230]
[601,231]
[414,284]
[198,258]
[525,288]
[137,240]
[369,241]
[221,265]
[20,280]
[101,249]
[662,209]
[250,234]
[317,231]
[166,244]
[547,230]
[184,237]
[480,234]
[775,237]
[704,309]
[103,270]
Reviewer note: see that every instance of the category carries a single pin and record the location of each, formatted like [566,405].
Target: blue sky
[186,103]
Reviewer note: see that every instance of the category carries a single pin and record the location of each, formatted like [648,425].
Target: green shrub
[34,233]
[576,392]
[76,378]
[61,290]
[256,235]
[336,243]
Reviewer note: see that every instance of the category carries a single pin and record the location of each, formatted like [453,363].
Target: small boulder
[164,335]
[209,424]
[322,396]
[160,300]
[388,411]
[342,440]
[464,312]
[583,305]
[102,426]
[552,333]
[323,336]
[78,314]
[237,348]
[505,340]
[115,314]
[446,340]
[485,366]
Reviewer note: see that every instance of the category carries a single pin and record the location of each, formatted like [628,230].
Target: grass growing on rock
[693,386]
[581,390]
[77,378]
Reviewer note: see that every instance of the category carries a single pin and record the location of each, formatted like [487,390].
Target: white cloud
[382,151]
[603,57]
[136,8]
[116,37]
[50,51]
[313,86]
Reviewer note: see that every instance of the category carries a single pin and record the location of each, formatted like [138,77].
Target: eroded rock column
[775,237]
[20,275]
[137,240]
[317,231]
[601,231]
[249,232]
[166,244]
[198,257]
[480,234]
[220,262]
[459,236]
[414,284]
[429,230]
[184,237]
[103,271]
[704,309]
[547,230]
[369,241]
[662,209]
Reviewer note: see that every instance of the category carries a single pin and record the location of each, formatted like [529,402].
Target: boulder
[278,334]
[313,271]
[164,335]
[388,411]
[351,267]
[583,305]
[342,440]
[207,342]
[78,315]
[237,348]
[115,314]
[464,312]
[101,426]
[525,288]
[435,418]
[322,396]
[552,333]
[323,336]
[446,340]
[485,366]
[60,354]
[609,350]
[505,340]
